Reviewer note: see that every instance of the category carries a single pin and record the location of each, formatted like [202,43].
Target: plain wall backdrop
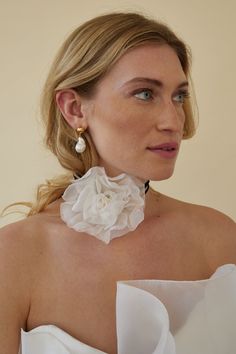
[31,32]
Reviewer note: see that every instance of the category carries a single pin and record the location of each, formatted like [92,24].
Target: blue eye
[144,94]
[181,96]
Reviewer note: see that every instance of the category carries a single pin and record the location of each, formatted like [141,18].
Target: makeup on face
[137,119]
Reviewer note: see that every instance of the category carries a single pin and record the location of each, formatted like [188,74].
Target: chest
[76,287]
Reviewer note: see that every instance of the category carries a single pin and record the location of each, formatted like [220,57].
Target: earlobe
[69,103]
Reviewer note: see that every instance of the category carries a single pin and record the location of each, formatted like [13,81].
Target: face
[136,117]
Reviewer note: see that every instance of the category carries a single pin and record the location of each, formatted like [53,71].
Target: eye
[181,96]
[144,94]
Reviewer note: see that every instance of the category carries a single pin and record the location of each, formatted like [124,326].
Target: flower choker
[102,206]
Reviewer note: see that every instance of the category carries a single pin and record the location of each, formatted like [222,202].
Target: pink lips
[166,150]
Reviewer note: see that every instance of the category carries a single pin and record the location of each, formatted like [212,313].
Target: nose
[171,117]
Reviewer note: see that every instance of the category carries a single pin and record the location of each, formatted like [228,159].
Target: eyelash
[185,94]
[142,90]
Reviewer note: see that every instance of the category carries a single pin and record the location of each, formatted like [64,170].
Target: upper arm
[14,299]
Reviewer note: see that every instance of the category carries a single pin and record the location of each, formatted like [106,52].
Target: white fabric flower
[102,206]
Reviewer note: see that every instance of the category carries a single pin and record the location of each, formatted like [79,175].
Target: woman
[116,106]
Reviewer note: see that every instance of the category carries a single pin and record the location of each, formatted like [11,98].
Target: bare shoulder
[21,245]
[214,225]
[18,248]
[215,230]
[24,241]
[21,249]
[219,235]
[15,286]
[18,238]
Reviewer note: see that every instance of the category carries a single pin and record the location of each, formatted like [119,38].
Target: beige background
[32,30]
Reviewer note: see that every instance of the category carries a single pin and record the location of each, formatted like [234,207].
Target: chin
[160,175]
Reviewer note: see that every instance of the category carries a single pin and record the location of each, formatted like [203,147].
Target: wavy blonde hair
[83,59]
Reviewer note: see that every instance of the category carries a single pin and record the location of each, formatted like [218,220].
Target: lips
[165,147]
[166,150]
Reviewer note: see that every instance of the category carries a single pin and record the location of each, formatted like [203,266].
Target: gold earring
[80,145]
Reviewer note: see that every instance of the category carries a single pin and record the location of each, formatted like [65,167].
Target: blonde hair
[83,59]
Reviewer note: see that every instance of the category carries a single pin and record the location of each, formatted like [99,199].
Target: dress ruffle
[183,317]
[160,317]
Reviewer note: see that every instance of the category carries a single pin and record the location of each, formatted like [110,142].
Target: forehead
[151,60]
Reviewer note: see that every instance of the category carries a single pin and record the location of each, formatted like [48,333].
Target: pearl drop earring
[80,145]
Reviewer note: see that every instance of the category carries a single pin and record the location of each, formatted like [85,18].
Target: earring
[80,145]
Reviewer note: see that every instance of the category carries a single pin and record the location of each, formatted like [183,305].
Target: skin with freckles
[138,105]
[55,275]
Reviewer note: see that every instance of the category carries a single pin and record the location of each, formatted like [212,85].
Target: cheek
[118,136]
[115,119]
[182,117]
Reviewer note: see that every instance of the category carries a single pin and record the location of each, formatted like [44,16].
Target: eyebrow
[153,82]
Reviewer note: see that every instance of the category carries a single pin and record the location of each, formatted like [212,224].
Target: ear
[70,105]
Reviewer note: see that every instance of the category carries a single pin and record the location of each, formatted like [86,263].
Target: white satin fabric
[160,317]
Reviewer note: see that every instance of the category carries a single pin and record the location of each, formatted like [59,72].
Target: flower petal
[102,206]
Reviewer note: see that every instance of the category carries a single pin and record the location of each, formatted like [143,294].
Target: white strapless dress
[159,317]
